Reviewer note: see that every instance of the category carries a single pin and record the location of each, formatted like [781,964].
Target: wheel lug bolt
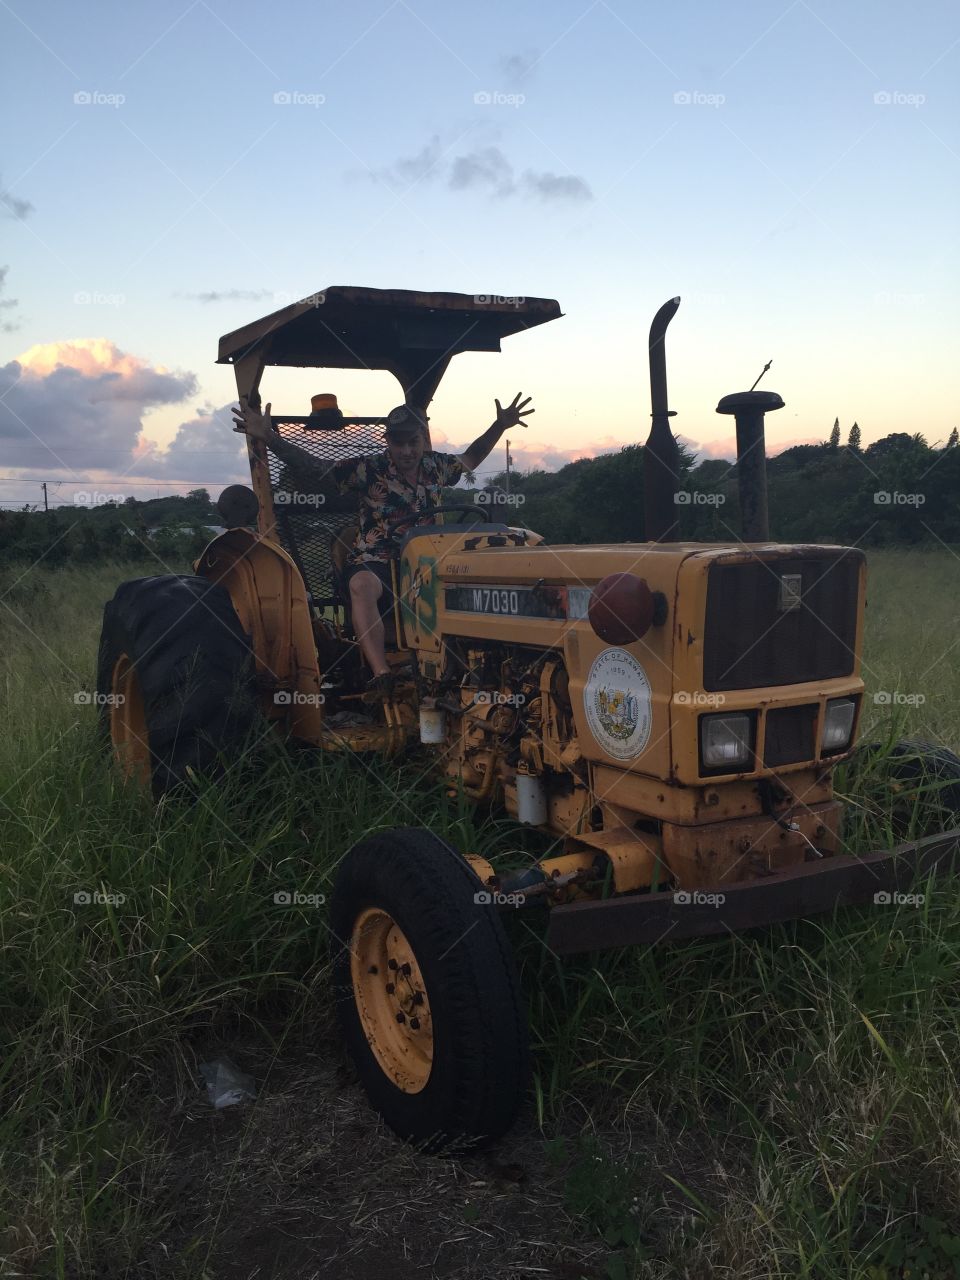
[405,970]
[418,997]
[401,1017]
[391,964]
[390,988]
[415,1024]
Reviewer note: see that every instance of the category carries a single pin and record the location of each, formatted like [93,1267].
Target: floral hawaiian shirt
[385,495]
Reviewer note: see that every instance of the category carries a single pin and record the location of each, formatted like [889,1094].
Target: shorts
[380,569]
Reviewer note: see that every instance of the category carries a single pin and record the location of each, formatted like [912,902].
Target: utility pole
[46,505]
[509,460]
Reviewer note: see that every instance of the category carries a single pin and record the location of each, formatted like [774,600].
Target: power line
[130,484]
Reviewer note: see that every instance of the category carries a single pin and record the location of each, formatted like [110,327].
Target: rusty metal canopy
[413,335]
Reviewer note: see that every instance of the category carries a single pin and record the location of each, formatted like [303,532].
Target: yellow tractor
[670,713]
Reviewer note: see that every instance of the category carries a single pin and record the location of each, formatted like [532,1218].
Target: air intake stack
[749,407]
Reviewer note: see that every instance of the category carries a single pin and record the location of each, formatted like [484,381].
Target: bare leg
[365,590]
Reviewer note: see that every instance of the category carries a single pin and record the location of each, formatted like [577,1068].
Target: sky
[169,173]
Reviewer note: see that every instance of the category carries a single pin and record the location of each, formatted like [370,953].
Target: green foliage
[779,1104]
[154,532]
[897,492]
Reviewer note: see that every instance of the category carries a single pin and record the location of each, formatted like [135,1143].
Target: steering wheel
[413,521]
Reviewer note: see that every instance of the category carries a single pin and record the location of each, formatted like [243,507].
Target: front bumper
[793,893]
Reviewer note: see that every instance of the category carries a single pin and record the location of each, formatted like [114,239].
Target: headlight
[837,723]
[725,741]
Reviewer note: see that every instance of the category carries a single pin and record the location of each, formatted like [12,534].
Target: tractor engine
[509,725]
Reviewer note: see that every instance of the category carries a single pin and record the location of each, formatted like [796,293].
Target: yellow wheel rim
[128,723]
[391,999]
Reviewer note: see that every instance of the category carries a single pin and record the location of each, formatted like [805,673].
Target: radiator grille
[754,639]
[789,735]
[307,531]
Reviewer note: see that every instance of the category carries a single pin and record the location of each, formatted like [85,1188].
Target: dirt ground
[306,1182]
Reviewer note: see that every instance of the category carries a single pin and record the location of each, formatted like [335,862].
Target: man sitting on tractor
[406,480]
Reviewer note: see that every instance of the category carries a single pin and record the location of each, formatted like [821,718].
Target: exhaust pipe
[749,407]
[661,457]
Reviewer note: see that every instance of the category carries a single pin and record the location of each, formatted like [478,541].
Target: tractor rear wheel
[174,679]
[427,992]
[928,777]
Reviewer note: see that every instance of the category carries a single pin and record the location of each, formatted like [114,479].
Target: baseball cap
[405,420]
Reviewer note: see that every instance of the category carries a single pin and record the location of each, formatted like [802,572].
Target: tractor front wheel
[427,993]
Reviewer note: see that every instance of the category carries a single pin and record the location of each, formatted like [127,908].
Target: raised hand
[514,413]
[254,423]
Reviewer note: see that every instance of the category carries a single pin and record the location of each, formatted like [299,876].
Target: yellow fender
[270,598]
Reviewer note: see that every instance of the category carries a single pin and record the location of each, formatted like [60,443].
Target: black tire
[930,777]
[480,1065]
[194,666]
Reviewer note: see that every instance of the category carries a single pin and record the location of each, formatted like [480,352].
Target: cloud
[722,449]
[227,295]
[13,205]
[84,400]
[487,167]
[552,186]
[415,168]
[482,169]
[726,448]
[532,456]
[516,67]
[6,325]
[205,448]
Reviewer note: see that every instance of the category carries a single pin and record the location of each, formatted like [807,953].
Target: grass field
[782,1105]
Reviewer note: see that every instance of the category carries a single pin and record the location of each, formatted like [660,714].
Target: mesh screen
[306,528]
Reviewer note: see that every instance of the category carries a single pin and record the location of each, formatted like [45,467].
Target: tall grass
[800,1083]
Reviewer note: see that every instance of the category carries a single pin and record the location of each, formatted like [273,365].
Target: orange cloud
[89,356]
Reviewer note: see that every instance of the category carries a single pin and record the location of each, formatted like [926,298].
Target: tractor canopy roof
[413,335]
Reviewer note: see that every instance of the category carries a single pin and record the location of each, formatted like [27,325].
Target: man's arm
[314,475]
[511,416]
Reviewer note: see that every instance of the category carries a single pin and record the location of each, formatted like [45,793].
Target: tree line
[898,491]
